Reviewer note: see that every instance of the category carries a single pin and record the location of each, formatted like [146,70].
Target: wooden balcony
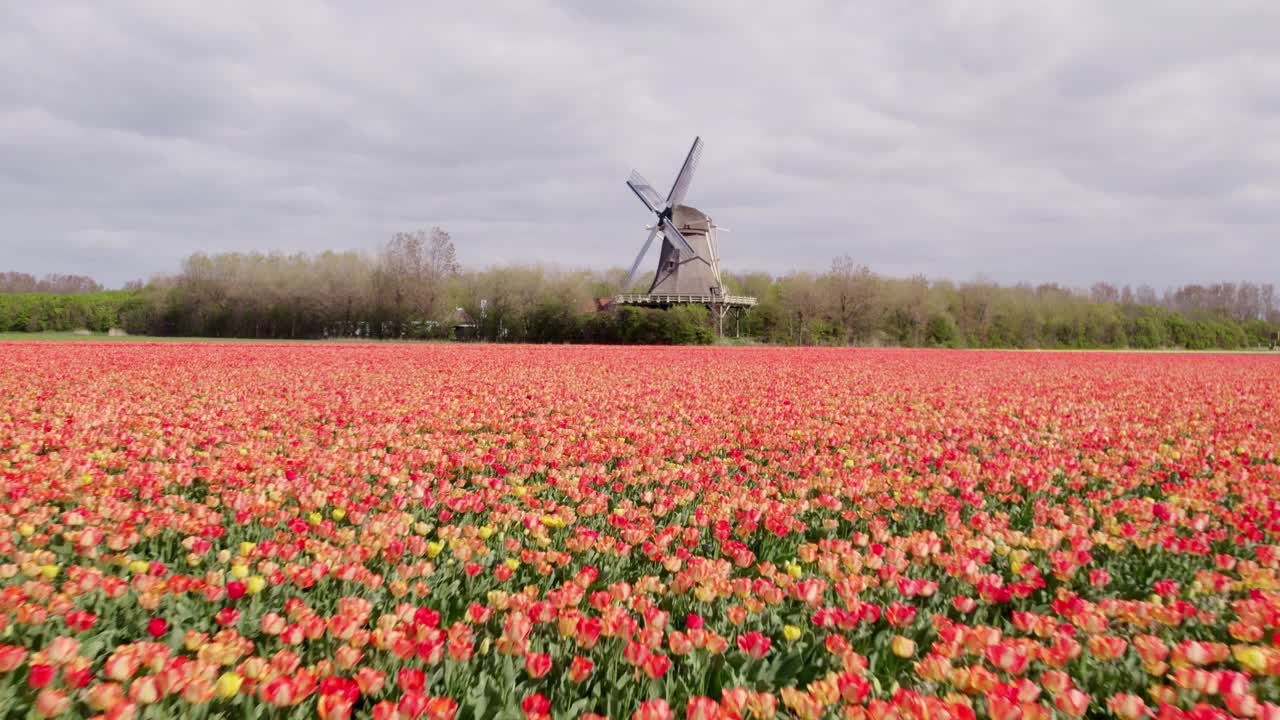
[665,300]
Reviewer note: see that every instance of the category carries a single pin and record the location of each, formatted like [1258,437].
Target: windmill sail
[645,192]
[680,187]
[635,266]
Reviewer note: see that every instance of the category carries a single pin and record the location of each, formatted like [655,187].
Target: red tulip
[369,681]
[580,668]
[589,630]
[478,614]
[535,706]
[1072,702]
[900,615]
[655,665]
[426,617]
[1007,657]
[411,680]
[702,708]
[754,644]
[653,710]
[280,691]
[537,664]
[40,675]
[334,707]
[441,708]
[412,704]
[11,657]
[52,703]
[77,677]
[853,688]
[62,650]
[1242,704]
[81,620]
[1127,706]
[157,627]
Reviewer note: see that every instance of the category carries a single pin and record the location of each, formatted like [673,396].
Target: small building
[464,326]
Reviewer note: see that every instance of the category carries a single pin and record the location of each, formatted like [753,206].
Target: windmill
[689,263]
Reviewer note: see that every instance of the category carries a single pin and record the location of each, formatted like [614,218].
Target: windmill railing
[708,299]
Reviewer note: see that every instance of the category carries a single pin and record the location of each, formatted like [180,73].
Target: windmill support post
[720,310]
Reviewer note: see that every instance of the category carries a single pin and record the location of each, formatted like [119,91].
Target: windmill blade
[680,187]
[635,266]
[675,238]
[645,192]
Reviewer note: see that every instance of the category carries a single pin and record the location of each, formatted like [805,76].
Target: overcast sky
[1124,140]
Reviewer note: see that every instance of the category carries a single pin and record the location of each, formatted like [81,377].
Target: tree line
[19,282]
[849,304]
[414,287]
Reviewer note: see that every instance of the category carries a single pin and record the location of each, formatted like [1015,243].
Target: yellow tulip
[338,514]
[1252,658]
[434,548]
[255,584]
[26,530]
[246,548]
[49,572]
[791,633]
[903,647]
[228,685]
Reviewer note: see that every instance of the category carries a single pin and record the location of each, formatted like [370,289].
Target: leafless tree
[1104,292]
[19,282]
[850,292]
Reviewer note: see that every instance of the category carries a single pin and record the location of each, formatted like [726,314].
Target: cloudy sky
[1123,140]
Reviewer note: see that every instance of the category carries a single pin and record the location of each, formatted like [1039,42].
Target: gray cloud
[1075,141]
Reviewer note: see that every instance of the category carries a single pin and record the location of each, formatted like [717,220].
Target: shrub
[42,312]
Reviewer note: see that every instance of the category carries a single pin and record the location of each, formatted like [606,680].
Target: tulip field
[466,531]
